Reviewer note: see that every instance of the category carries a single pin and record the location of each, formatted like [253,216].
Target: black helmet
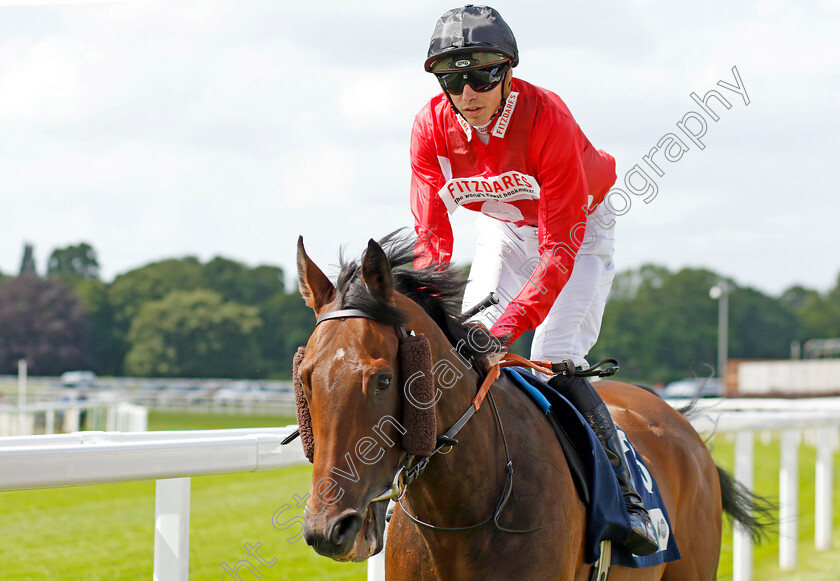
[472,29]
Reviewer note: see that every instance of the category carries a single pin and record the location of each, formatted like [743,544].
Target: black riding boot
[582,395]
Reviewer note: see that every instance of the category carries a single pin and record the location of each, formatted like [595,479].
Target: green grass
[106,532]
[188,421]
[812,565]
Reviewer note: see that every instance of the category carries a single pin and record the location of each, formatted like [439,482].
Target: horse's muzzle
[336,537]
[351,536]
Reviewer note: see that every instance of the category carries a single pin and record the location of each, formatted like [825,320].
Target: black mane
[437,289]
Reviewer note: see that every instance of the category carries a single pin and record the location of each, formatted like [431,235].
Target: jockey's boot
[578,390]
[642,540]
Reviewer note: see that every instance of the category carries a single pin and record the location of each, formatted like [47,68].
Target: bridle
[411,468]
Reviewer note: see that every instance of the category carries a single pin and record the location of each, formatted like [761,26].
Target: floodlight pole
[721,292]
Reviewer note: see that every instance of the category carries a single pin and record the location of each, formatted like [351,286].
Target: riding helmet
[471,29]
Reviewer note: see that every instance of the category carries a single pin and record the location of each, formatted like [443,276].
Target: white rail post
[22,423]
[742,548]
[826,444]
[172,529]
[788,499]
[376,564]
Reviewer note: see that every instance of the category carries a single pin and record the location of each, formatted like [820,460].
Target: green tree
[27,263]
[659,325]
[193,334]
[819,317]
[107,349]
[796,296]
[287,324]
[236,282]
[43,322]
[760,326]
[663,326]
[152,282]
[74,262]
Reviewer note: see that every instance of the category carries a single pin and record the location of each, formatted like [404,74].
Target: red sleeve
[557,143]
[600,172]
[431,221]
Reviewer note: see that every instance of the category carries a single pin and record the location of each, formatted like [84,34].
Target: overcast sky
[162,129]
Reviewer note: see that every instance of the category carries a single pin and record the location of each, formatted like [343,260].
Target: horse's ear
[315,288]
[376,272]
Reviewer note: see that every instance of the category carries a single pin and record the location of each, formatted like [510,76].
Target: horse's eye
[383,382]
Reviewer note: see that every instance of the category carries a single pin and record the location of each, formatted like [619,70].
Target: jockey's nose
[469,93]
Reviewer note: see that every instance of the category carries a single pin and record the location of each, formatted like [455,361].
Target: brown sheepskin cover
[304,420]
[421,430]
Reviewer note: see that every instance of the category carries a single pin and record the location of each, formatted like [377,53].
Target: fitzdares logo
[507,187]
[501,126]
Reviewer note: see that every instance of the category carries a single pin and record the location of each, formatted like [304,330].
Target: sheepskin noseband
[418,414]
[304,420]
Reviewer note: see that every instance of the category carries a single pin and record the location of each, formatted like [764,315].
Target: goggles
[480,79]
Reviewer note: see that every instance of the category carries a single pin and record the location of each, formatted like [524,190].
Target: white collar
[502,121]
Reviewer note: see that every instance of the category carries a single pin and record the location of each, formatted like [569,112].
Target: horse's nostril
[346,528]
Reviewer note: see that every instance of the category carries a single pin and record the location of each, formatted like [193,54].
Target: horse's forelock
[438,289]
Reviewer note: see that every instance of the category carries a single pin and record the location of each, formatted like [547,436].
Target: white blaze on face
[339,354]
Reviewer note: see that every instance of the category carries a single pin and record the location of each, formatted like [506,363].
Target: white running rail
[172,457]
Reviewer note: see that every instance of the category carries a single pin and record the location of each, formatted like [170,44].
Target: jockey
[512,152]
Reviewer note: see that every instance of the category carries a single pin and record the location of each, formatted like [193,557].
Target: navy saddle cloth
[606,516]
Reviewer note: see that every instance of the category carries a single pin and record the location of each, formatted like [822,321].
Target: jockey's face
[477,108]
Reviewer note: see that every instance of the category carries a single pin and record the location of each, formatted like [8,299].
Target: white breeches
[504,260]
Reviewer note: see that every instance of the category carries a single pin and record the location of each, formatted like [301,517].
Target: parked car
[694,387]
[244,392]
[78,379]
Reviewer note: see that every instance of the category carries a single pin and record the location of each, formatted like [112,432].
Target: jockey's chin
[478,108]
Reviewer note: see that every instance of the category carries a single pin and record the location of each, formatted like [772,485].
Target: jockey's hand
[494,358]
[496,351]
[491,360]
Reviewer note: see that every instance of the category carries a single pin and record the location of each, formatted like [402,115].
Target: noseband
[418,425]
[409,470]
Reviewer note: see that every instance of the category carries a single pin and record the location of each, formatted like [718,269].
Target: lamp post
[721,292]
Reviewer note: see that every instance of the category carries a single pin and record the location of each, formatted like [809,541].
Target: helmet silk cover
[471,29]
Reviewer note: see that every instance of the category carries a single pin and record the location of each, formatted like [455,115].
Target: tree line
[186,318]
[172,318]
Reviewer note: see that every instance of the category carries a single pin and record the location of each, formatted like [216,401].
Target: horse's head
[352,380]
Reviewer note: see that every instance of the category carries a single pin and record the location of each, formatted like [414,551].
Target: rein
[405,475]
[506,491]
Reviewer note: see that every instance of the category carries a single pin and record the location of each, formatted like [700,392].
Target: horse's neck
[461,487]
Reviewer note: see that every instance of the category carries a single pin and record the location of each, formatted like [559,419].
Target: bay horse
[507,462]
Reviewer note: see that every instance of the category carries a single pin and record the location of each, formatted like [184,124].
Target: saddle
[595,480]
